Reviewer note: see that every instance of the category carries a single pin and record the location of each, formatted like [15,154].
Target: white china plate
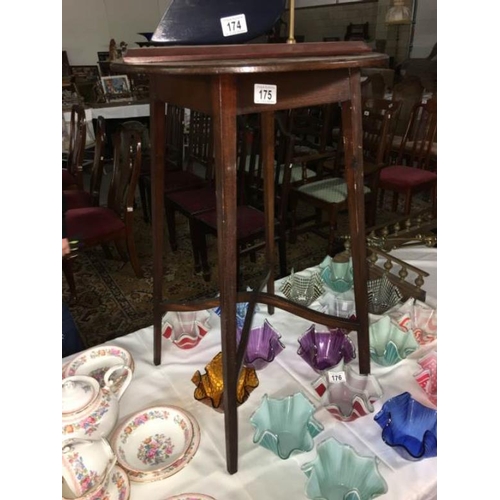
[156,442]
[190,496]
[94,362]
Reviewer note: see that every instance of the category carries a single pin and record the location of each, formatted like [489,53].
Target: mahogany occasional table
[229,80]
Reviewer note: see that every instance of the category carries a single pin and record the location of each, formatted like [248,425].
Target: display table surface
[261,474]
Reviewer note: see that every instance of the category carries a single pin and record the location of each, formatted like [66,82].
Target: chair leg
[395,200]
[381,197]
[408,198]
[70,278]
[121,247]
[331,233]
[282,254]
[195,246]
[172,233]
[144,199]
[132,252]
[107,251]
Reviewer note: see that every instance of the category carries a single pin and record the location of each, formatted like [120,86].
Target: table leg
[267,137]
[157,126]
[224,123]
[353,140]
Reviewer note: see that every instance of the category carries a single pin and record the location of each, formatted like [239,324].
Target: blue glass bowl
[409,426]
[339,473]
[286,425]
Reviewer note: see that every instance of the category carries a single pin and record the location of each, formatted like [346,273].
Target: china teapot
[91,411]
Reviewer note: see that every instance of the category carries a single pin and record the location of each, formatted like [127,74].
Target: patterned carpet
[112,302]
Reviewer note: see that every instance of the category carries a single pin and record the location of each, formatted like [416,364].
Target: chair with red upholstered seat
[92,226]
[250,221]
[416,164]
[78,198]
[72,174]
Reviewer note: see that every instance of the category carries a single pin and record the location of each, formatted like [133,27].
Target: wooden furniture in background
[92,226]
[416,165]
[72,173]
[223,81]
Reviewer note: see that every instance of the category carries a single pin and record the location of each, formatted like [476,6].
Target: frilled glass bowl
[263,345]
[303,288]
[210,385]
[286,425]
[324,350]
[339,473]
[416,316]
[185,329]
[382,295]
[426,377]
[408,426]
[336,272]
[346,394]
[388,343]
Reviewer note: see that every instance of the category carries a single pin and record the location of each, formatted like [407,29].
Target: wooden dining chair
[329,195]
[197,195]
[79,198]
[183,170]
[72,172]
[408,93]
[251,221]
[415,169]
[114,223]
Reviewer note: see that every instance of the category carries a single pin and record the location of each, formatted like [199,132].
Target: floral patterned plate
[191,496]
[156,442]
[96,361]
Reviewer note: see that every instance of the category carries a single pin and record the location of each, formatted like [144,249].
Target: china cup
[85,465]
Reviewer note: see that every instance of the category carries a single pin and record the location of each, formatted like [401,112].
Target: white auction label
[264,94]
[336,377]
[234,25]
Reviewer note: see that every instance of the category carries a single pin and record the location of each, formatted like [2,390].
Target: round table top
[249,58]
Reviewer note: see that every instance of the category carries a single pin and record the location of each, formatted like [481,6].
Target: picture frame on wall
[116,87]
[87,73]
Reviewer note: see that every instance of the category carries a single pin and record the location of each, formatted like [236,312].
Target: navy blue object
[198,22]
[408,424]
[71,341]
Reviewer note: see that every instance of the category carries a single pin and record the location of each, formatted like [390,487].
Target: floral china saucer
[95,362]
[118,487]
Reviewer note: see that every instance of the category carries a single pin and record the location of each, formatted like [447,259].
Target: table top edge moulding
[222,77]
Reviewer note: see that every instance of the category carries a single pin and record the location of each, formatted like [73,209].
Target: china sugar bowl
[88,410]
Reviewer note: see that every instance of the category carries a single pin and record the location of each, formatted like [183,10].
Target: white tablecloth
[261,474]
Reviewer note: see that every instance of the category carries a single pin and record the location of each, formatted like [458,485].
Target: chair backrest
[374,86]
[98,165]
[77,140]
[409,93]
[200,143]
[127,156]
[174,152]
[419,142]
[378,122]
